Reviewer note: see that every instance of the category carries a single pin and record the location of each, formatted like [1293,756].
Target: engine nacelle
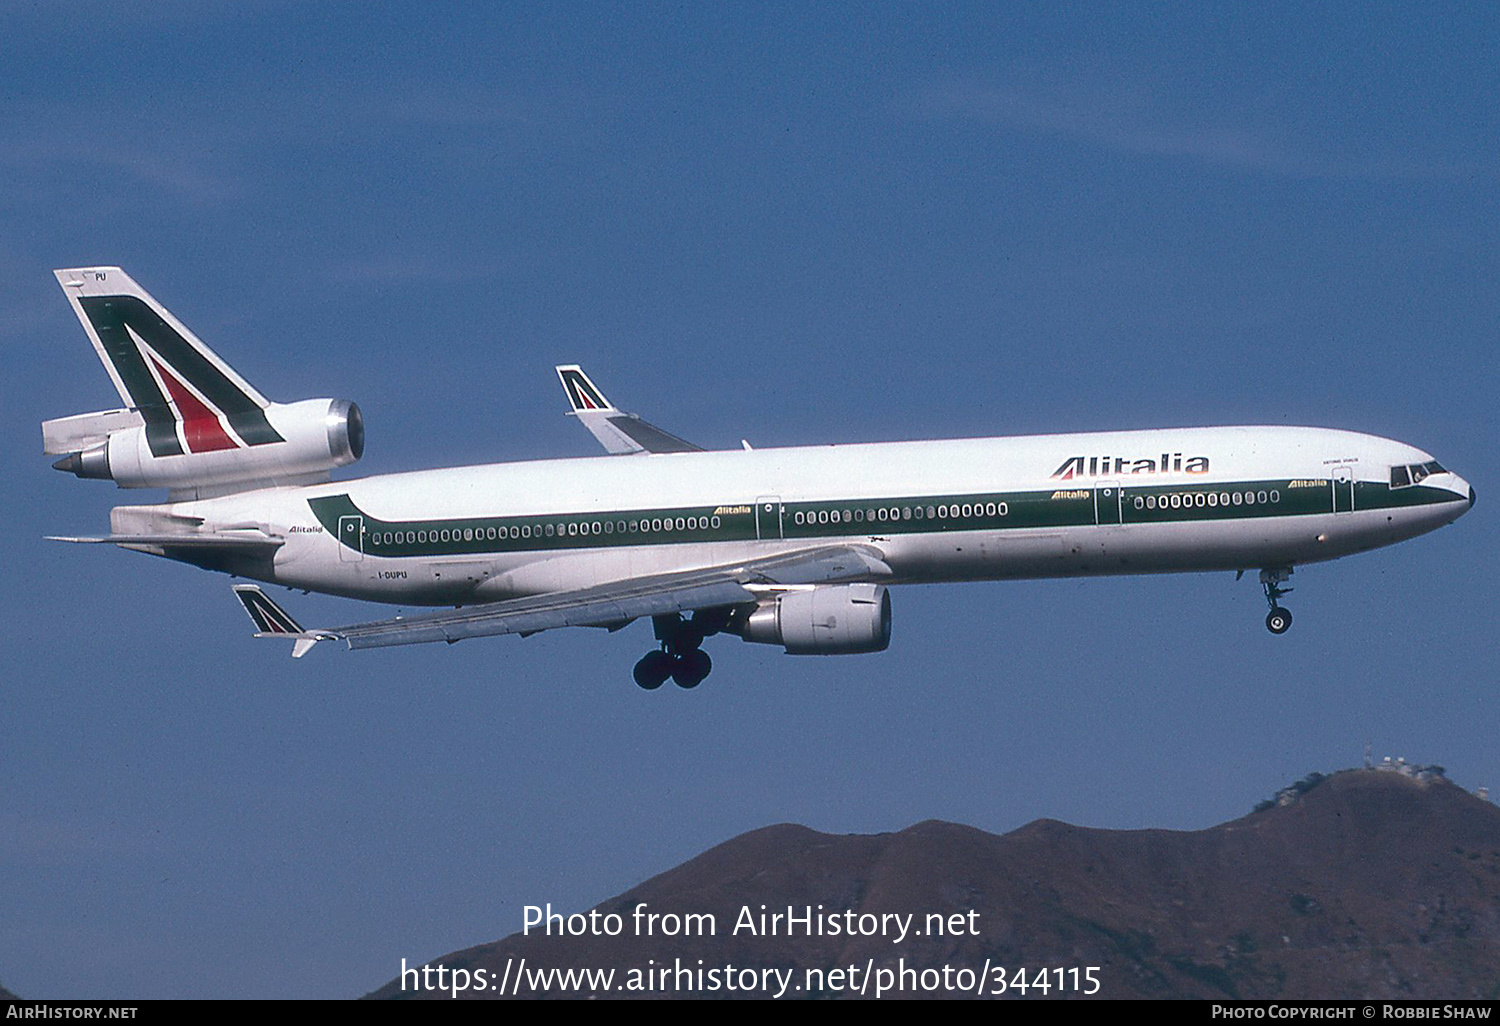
[841,619]
[305,439]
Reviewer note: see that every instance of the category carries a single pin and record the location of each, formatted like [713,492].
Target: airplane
[796,546]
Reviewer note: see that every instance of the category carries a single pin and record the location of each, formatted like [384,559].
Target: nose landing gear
[1278,620]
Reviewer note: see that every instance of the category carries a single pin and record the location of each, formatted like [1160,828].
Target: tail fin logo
[190,400]
[581,391]
[200,427]
[269,618]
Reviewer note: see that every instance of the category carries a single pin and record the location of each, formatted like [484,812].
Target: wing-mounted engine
[843,619]
[301,442]
[191,423]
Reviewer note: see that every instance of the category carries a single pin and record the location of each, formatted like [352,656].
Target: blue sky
[752,221]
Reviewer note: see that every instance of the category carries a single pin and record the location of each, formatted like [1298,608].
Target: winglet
[582,393]
[621,434]
[271,621]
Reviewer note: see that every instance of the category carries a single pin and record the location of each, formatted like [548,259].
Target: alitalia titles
[1108,466]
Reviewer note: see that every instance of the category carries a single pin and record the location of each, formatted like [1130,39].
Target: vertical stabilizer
[190,400]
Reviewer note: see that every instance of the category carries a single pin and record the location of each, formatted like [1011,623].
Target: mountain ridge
[1365,884]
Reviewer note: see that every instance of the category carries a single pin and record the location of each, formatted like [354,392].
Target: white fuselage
[973,509]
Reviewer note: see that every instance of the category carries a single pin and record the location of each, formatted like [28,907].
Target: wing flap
[565,610]
[818,566]
[647,436]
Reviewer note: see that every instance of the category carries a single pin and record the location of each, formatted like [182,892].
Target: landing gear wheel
[653,670]
[1278,620]
[690,669]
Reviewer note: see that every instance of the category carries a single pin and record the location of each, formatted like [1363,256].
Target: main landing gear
[680,656]
[1278,620]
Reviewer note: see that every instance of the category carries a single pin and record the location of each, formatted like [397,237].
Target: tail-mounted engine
[287,443]
[843,619]
[190,422]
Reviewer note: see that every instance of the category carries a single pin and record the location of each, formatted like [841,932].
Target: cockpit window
[1415,473]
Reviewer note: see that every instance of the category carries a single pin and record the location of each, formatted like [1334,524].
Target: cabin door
[768,517]
[1107,502]
[351,539]
[1343,490]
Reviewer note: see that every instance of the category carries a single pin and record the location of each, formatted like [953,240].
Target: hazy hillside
[1370,884]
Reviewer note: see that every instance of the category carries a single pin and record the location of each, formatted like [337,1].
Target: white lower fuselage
[976,509]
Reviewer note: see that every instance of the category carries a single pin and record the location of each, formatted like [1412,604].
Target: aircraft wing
[616,604]
[621,434]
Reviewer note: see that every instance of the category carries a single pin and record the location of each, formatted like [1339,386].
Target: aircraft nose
[1460,486]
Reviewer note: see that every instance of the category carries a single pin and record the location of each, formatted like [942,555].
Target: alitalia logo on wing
[1108,466]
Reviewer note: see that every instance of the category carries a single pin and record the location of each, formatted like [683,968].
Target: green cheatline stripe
[110,315]
[933,514]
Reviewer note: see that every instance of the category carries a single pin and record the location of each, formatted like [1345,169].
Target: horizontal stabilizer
[245,542]
[85,430]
